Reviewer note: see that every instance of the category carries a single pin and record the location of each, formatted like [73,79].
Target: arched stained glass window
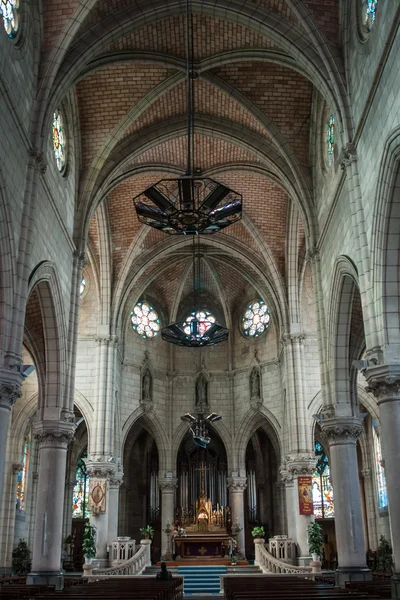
[59,140]
[82,287]
[80,497]
[255,319]
[205,319]
[380,471]
[22,477]
[9,11]
[330,138]
[322,490]
[370,13]
[145,320]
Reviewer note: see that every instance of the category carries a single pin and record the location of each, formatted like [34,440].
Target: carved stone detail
[237,484]
[313,256]
[46,438]
[384,388]
[9,393]
[345,429]
[366,473]
[300,464]
[168,485]
[17,467]
[348,155]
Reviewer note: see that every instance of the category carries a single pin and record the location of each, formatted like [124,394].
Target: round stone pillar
[9,392]
[384,383]
[167,487]
[53,439]
[237,486]
[342,433]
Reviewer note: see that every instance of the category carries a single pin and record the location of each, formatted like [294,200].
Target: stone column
[167,487]
[384,383]
[113,513]
[102,472]
[53,438]
[237,486]
[342,433]
[370,509]
[10,390]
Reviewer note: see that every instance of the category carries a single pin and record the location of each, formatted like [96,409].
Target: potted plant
[89,543]
[21,559]
[314,531]
[147,532]
[234,559]
[258,532]
[384,556]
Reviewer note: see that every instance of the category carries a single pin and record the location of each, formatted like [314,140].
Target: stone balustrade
[122,549]
[133,566]
[283,548]
[270,564]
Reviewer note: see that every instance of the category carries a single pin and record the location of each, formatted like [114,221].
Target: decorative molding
[100,469]
[341,429]
[300,464]
[366,473]
[313,256]
[168,485]
[108,340]
[387,387]
[348,155]
[49,438]
[9,393]
[237,484]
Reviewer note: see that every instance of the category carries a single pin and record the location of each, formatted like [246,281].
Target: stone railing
[283,548]
[122,550]
[270,564]
[133,566]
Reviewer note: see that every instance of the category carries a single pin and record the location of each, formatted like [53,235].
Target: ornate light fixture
[198,427]
[189,204]
[199,329]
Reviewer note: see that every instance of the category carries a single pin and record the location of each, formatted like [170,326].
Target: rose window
[255,319]
[145,320]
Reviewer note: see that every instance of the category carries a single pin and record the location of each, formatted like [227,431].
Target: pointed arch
[252,421]
[151,422]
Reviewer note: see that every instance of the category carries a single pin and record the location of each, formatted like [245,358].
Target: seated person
[164,574]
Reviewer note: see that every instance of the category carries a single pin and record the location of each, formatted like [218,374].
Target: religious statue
[255,388]
[201,392]
[147,386]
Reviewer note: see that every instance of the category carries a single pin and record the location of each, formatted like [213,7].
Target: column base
[395,581]
[343,574]
[55,578]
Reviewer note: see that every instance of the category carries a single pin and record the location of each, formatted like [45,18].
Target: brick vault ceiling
[253,116]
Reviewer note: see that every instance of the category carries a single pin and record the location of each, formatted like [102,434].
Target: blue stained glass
[9,11]
[80,496]
[330,138]
[380,471]
[255,319]
[370,13]
[21,479]
[322,490]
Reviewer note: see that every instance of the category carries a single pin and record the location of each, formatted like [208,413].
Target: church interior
[199,282]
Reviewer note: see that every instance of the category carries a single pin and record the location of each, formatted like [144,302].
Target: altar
[205,546]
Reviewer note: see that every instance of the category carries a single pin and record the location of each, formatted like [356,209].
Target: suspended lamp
[189,204]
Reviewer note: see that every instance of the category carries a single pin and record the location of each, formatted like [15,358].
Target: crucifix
[202,470]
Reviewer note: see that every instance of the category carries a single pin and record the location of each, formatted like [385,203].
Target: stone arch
[344,285]
[385,246]
[86,408]
[221,430]
[44,280]
[150,422]
[252,421]
[7,269]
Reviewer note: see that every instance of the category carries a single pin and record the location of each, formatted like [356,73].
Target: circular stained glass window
[59,140]
[205,320]
[255,319]
[145,320]
[9,12]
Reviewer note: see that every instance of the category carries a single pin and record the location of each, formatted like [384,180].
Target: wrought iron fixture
[198,427]
[189,204]
[197,330]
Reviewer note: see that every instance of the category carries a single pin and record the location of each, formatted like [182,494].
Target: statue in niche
[201,392]
[147,386]
[255,387]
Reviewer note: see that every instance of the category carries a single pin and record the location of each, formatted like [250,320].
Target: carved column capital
[9,393]
[341,429]
[168,485]
[53,434]
[286,476]
[313,256]
[300,464]
[384,382]
[237,485]
[100,469]
[107,340]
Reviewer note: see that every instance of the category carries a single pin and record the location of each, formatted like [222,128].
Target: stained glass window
[82,286]
[255,319]
[59,140]
[9,10]
[145,320]
[204,318]
[380,471]
[80,496]
[370,13]
[330,138]
[322,490]
[22,478]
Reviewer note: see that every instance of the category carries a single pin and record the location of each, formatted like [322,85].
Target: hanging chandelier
[199,329]
[189,204]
